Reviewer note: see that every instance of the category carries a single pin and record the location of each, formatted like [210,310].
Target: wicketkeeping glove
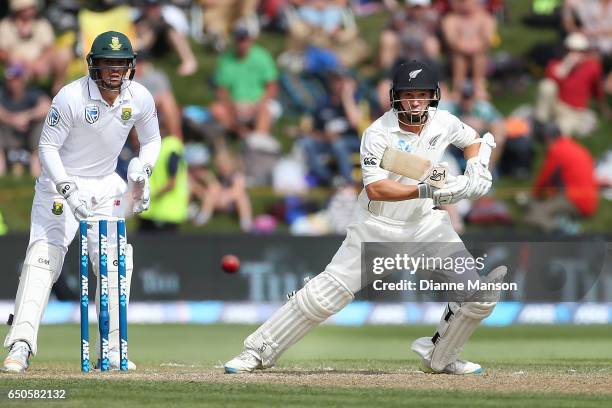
[138,185]
[480,178]
[78,204]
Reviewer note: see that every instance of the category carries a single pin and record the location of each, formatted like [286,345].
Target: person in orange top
[565,182]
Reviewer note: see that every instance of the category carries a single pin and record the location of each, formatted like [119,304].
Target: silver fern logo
[414,74]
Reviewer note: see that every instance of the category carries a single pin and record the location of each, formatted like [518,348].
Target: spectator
[169,189]
[469,31]
[481,115]
[28,39]
[157,82]
[570,83]
[327,24]
[246,79]
[565,183]
[221,16]
[593,18]
[156,35]
[226,191]
[410,32]
[336,120]
[22,112]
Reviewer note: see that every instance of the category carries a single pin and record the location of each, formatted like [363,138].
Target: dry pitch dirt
[494,380]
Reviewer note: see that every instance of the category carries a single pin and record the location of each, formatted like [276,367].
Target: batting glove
[455,190]
[480,178]
[77,203]
[138,185]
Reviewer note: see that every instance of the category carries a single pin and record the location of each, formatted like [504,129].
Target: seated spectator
[335,123]
[410,33]
[570,83]
[593,18]
[246,79]
[327,24]
[22,112]
[469,31]
[221,16]
[565,184]
[28,39]
[156,36]
[226,191]
[169,189]
[157,82]
[481,115]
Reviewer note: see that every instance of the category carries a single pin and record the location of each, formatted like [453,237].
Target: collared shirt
[89,134]
[441,129]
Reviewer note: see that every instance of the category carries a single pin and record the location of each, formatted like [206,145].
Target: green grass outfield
[180,365]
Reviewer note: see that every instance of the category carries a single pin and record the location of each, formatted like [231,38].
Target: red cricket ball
[230,263]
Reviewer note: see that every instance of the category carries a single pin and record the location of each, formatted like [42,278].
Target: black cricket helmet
[414,76]
[111,45]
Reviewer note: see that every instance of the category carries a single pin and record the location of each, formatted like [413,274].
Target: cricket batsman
[86,128]
[393,208]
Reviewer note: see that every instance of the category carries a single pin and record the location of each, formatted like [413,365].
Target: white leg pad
[459,322]
[113,294]
[322,297]
[41,268]
[456,326]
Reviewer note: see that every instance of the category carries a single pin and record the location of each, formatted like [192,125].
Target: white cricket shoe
[457,367]
[17,359]
[424,347]
[245,362]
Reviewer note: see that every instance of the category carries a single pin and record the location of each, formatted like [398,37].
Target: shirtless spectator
[469,31]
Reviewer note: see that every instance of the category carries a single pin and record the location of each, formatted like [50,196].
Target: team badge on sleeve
[92,113]
[58,208]
[126,113]
[53,117]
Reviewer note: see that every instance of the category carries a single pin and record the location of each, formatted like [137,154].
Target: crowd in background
[293,122]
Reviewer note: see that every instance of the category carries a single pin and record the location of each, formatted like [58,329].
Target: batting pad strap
[42,267]
[320,298]
[456,326]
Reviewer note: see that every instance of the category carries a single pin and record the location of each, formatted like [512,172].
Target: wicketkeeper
[85,130]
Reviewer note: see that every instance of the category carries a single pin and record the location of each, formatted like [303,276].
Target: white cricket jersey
[442,129]
[89,134]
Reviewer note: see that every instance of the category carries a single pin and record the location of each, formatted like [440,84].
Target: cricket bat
[414,166]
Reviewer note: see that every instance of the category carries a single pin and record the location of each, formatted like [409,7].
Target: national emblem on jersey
[58,208]
[126,113]
[53,117]
[115,45]
[92,113]
[433,142]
